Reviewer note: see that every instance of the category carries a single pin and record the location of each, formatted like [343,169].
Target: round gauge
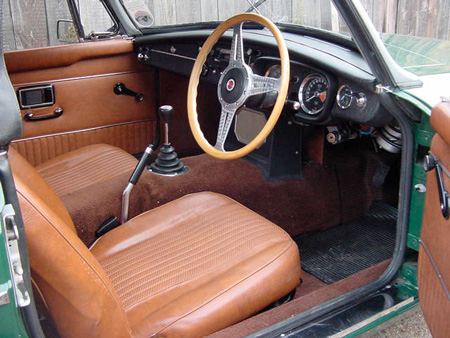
[344,97]
[273,71]
[313,93]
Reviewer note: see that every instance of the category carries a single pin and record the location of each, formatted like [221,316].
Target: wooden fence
[32,23]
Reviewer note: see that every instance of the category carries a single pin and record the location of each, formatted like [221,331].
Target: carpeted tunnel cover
[341,251]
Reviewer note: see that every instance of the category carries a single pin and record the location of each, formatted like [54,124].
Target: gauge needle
[316,94]
[322,96]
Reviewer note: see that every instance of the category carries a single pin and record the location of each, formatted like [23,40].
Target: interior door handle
[57,113]
[120,89]
[431,162]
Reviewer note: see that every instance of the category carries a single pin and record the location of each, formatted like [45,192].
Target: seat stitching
[144,246]
[108,261]
[131,256]
[228,289]
[118,287]
[199,263]
[87,162]
[184,254]
[89,165]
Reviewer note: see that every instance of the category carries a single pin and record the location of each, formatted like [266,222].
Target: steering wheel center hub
[233,85]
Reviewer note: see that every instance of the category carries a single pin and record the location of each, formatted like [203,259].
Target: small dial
[273,71]
[313,94]
[344,97]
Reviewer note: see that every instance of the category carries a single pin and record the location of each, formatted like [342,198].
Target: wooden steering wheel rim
[195,76]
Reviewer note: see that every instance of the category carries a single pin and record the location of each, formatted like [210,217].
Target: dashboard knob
[294,105]
[333,137]
[361,100]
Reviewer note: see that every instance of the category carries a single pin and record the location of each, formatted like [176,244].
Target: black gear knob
[166,113]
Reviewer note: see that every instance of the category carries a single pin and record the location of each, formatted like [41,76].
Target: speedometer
[313,93]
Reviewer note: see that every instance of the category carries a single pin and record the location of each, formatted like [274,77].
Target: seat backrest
[75,288]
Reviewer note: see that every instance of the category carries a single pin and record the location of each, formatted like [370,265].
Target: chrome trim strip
[171,54]
[82,130]
[372,319]
[21,91]
[436,269]
[126,202]
[78,78]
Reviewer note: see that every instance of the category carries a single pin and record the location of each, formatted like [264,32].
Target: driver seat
[188,268]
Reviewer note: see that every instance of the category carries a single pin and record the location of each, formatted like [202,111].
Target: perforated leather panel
[84,167]
[193,248]
[42,149]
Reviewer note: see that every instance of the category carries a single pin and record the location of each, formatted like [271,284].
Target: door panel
[83,76]
[434,252]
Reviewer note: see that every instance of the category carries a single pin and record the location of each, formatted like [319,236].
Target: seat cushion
[85,167]
[196,265]
[90,182]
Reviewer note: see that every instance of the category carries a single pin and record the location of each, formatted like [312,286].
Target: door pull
[57,113]
[431,162]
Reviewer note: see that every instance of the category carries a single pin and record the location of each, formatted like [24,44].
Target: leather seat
[86,166]
[188,268]
[90,182]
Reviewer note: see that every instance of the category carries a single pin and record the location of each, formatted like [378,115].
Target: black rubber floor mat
[341,251]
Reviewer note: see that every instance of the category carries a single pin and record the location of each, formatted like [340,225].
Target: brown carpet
[308,284]
[297,206]
[302,303]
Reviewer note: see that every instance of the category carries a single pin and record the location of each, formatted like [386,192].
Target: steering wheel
[237,83]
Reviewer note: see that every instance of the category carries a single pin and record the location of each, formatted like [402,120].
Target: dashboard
[329,84]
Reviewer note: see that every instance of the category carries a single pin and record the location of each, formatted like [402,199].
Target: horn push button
[232,85]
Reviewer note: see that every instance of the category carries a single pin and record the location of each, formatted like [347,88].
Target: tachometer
[273,71]
[268,99]
[313,94]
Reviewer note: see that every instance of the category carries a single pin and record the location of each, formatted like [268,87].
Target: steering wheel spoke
[226,118]
[263,84]
[237,45]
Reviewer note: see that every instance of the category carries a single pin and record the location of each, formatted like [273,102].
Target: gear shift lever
[167,163]
[166,113]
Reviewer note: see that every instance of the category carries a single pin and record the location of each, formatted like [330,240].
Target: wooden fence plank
[30,23]
[421,23]
[390,24]
[442,19]
[229,8]
[325,15]
[281,10]
[9,42]
[165,12]
[150,6]
[209,10]
[379,11]
[34,21]
[188,11]
[94,16]
[404,25]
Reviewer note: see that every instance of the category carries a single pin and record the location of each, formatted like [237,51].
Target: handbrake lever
[134,179]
